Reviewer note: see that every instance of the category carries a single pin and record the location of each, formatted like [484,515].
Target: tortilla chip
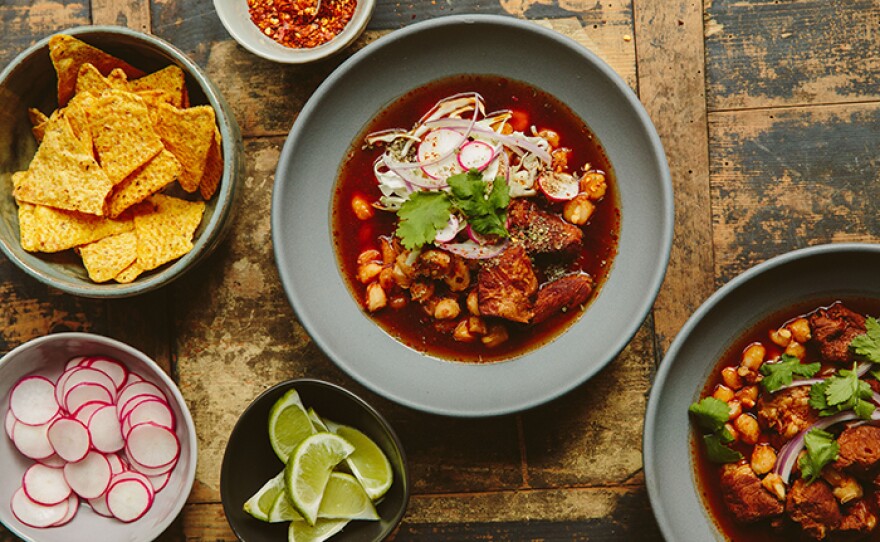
[89,79]
[169,82]
[69,53]
[107,258]
[123,133]
[39,130]
[159,172]
[36,116]
[213,167]
[166,234]
[129,273]
[64,175]
[118,79]
[44,229]
[188,134]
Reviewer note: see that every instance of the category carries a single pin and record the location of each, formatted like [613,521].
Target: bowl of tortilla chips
[119,162]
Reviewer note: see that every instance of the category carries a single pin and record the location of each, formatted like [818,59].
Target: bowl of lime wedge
[309,460]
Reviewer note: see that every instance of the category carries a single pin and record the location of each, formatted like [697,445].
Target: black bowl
[249,461]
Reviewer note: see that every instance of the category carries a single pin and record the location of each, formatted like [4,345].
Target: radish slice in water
[106,430]
[152,445]
[32,441]
[70,439]
[45,485]
[558,186]
[90,477]
[32,400]
[37,515]
[476,155]
[129,499]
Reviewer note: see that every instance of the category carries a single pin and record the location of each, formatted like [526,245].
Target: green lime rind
[344,498]
[300,531]
[308,471]
[368,463]
[289,424]
[261,503]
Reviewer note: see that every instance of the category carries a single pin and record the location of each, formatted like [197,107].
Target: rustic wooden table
[769,111]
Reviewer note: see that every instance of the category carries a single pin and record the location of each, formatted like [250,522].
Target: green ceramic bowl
[29,81]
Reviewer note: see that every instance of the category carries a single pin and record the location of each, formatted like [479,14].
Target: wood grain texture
[787,178]
[669,50]
[134,14]
[24,22]
[770,53]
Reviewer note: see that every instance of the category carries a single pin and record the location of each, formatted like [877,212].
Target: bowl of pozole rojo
[763,423]
[491,221]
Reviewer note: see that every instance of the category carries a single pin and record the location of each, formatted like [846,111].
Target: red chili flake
[294,23]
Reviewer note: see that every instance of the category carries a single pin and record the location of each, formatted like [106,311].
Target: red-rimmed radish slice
[99,505]
[132,475]
[476,155]
[84,412]
[70,439]
[37,515]
[72,508]
[32,441]
[32,400]
[156,411]
[133,390]
[435,145]
[558,186]
[45,485]
[86,392]
[89,477]
[123,410]
[75,362]
[53,461]
[129,499]
[117,465]
[112,368]
[449,231]
[159,482]
[87,375]
[481,239]
[151,471]
[152,445]
[10,422]
[134,378]
[106,430]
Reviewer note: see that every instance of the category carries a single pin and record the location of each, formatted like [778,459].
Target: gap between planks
[819,105]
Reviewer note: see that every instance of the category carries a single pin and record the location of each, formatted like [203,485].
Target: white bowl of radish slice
[98,442]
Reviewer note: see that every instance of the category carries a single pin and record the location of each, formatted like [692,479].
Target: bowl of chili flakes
[289,31]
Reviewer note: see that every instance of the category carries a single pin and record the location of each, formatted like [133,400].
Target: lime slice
[263,500]
[289,424]
[317,421]
[368,463]
[300,531]
[344,498]
[308,471]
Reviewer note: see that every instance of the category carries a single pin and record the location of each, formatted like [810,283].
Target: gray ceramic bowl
[46,356]
[29,81]
[249,460]
[818,273]
[387,69]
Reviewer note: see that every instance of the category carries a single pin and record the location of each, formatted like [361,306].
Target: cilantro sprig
[843,391]
[780,374]
[822,449]
[867,345]
[711,414]
[421,217]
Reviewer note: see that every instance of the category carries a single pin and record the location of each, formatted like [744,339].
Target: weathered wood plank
[23,22]
[593,434]
[787,178]
[769,53]
[134,14]
[669,50]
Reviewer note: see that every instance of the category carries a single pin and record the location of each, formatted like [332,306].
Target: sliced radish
[10,423]
[476,155]
[132,475]
[133,378]
[152,445]
[89,477]
[99,505]
[116,464]
[159,482]
[75,362]
[53,461]
[72,508]
[449,231]
[151,471]
[131,391]
[45,485]
[558,186]
[106,430]
[86,392]
[156,411]
[129,499]
[123,410]
[436,153]
[32,441]
[112,368]
[70,439]
[84,412]
[32,400]
[87,375]
[35,514]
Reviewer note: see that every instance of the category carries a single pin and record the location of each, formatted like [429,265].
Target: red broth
[410,325]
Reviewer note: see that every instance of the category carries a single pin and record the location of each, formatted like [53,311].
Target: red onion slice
[473,251]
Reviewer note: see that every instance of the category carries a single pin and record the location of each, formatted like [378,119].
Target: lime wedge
[282,510]
[308,471]
[368,463]
[344,498]
[317,421]
[300,531]
[263,500]
[289,424]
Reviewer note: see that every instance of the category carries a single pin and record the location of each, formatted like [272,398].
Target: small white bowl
[46,356]
[235,17]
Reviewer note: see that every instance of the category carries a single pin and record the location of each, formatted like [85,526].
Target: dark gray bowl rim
[655,493]
[292,383]
[225,195]
[665,181]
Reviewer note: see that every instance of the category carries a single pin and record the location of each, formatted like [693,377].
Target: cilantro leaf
[421,217]
[842,388]
[821,450]
[718,452]
[780,374]
[486,213]
[711,413]
[843,391]
[817,397]
[867,345]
